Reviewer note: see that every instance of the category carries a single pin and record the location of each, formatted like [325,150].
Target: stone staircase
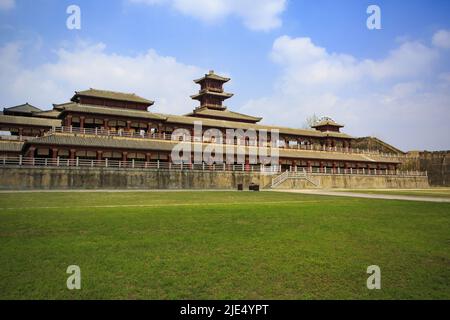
[300,175]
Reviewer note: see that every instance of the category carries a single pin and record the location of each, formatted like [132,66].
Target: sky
[287,59]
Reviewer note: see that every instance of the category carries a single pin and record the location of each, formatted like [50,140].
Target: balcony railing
[187,138]
[26,162]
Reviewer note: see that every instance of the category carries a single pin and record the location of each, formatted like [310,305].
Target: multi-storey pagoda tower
[211,97]
[212,94]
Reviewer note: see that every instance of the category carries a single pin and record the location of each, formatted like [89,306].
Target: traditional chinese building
[113,126]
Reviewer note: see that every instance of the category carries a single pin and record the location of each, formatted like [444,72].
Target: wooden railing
[130,164]
[164,165]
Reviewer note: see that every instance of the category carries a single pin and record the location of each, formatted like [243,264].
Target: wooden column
[72,154]
[69,120]
[54,153]
[31,152]
[82,122]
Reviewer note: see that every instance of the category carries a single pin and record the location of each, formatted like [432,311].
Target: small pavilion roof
[327,122]
[213,76]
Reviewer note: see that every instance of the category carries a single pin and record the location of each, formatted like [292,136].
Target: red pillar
[82,122]
[68,120]
[31,152]
[54,153]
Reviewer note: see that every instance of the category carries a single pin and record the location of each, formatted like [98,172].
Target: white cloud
[150,75]
[256,14]
[7,4]
[441,39]
[403,98]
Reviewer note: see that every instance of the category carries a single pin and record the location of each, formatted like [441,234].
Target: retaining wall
[106,178]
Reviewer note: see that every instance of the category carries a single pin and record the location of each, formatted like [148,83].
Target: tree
[310,121]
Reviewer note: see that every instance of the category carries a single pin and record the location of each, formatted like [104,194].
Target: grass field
[432,192]
[221,245]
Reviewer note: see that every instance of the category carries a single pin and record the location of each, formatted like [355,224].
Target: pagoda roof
[90,109]
[212,93]
[23,108]
[213,76]
[224,114]
[327,122]
[111,95]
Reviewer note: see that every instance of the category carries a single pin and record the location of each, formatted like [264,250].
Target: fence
[161,165]
[133,164]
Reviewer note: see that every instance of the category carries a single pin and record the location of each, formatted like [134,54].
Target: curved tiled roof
[113,95]
[215,123]
[212,75]
[213,93]
[9,146]
[83,108]
[30,121]
[24,108]
[162,145]
[327,122]
[226,114]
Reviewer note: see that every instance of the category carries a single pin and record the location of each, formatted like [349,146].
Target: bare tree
[310,121]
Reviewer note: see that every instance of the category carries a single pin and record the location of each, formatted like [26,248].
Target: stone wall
[436,163]
[106,178]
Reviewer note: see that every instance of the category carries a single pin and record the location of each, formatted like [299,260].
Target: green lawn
[221,245]
[432,192]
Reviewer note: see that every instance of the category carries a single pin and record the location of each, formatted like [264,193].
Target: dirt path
[366,195]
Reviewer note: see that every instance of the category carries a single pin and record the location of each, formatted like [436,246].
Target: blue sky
[287,59]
